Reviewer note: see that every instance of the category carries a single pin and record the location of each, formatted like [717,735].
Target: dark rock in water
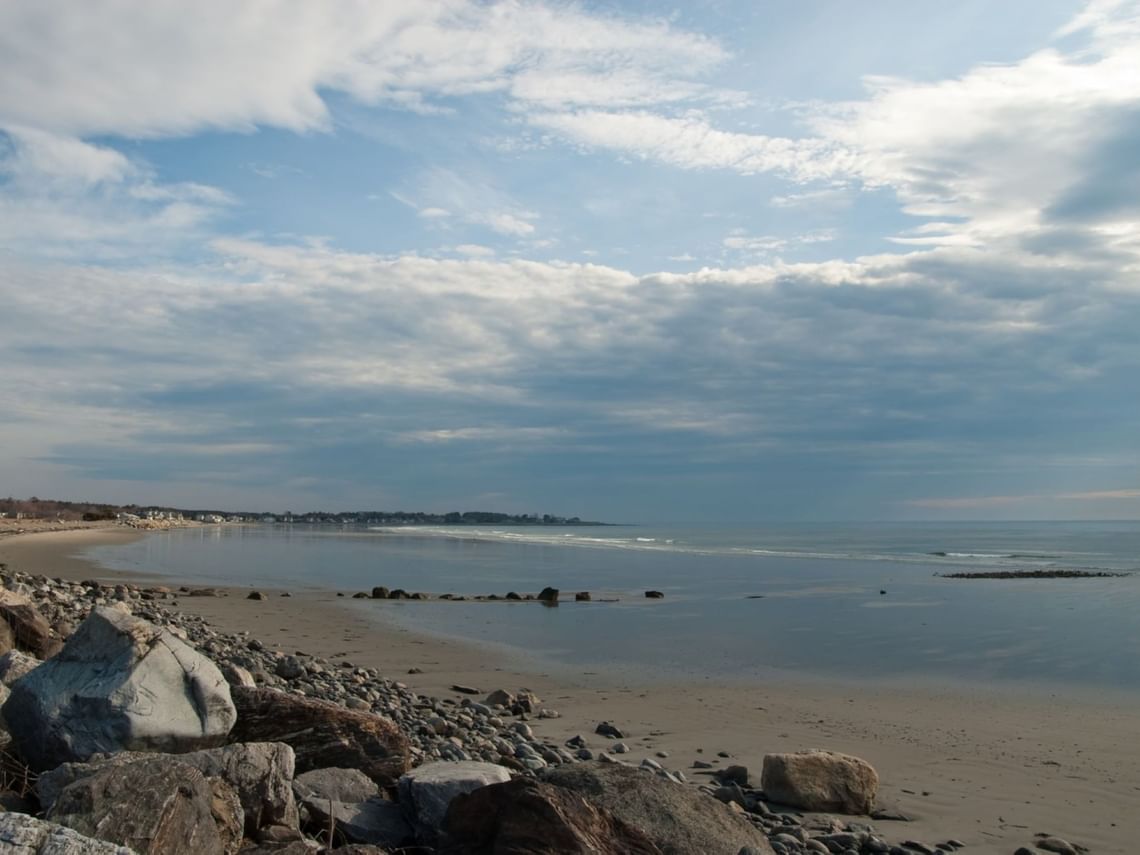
[340,593]
[27,835]
[380,593]
[548,595]
[322,734]
[524,816]
[676,819]
[120,683]
[286,594]
[512,595]
[418,596]
[255,595]
[607,729]
[881,592]
[582,597]
[157,806]
[22,627]
[654,595]
[398,594]
[360,595]
[820,781]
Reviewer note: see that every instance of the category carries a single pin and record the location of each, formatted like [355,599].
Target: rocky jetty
[146,730]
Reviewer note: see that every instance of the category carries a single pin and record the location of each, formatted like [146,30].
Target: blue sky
[752,261]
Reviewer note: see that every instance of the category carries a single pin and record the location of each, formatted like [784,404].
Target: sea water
[861,602]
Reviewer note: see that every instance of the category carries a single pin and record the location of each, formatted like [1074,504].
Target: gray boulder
[261,774]
[338,785]
[677,819]
[120,683]
[376,821]
[427,790]
[156,806]
[21,834]
[820,781]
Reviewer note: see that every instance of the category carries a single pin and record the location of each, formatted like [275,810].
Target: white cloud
[474,250]
[433,213]
[505,223]
[75,70]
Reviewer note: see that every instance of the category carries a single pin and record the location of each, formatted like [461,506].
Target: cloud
[504,223]
[474,250]
[981,502]
[64,197]
[219,66]
[433,213]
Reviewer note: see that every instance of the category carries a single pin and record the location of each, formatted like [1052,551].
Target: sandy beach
[973,763]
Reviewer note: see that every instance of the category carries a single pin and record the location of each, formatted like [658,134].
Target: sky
[747,261]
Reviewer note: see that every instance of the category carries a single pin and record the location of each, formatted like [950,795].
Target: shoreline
[973,763]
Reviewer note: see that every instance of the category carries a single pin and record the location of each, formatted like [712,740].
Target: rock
[157,806]
[255,595]
[677,819]
[499,696]
[380,593]
[734,775]
[398,594]
[15,664]
[464,690]
[289,668]
[548,595]
[1056,844]
[607,729]
[513,595]
[374,821]
[582,597]
[235,675]
[654,595]
[360,595]
[21,834]
[426,791]
[526,817]
[338,785]
[820,781]
[120,683]
[322,734]
[261,774]
[26,628]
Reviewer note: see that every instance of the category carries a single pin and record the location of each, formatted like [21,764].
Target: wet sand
[975,763]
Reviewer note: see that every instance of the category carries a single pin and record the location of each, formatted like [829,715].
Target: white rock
[120,683]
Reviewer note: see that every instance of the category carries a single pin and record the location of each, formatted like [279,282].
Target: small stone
[608,730]
[1056,844]
[255,595]
[654,595]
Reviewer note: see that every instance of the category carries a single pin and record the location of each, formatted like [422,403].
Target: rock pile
[155,733]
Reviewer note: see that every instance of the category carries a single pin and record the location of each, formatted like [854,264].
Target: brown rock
[677,819]
[820,781]
[27,628]
[155,806]
[322,734]
[526,817]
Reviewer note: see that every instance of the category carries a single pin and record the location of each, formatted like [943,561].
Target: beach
[970,762]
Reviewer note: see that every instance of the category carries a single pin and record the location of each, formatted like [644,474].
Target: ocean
[851,602]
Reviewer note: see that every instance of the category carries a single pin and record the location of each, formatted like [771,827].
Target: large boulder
[427,790]
[322,734]
[820,781]
[338,785]
[375,821]
[677,819]
[156,806]
[261,774]
[24,628]
[120,683]
[528,817]
[21,834]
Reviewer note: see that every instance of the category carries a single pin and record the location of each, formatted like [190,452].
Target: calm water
[741,602]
